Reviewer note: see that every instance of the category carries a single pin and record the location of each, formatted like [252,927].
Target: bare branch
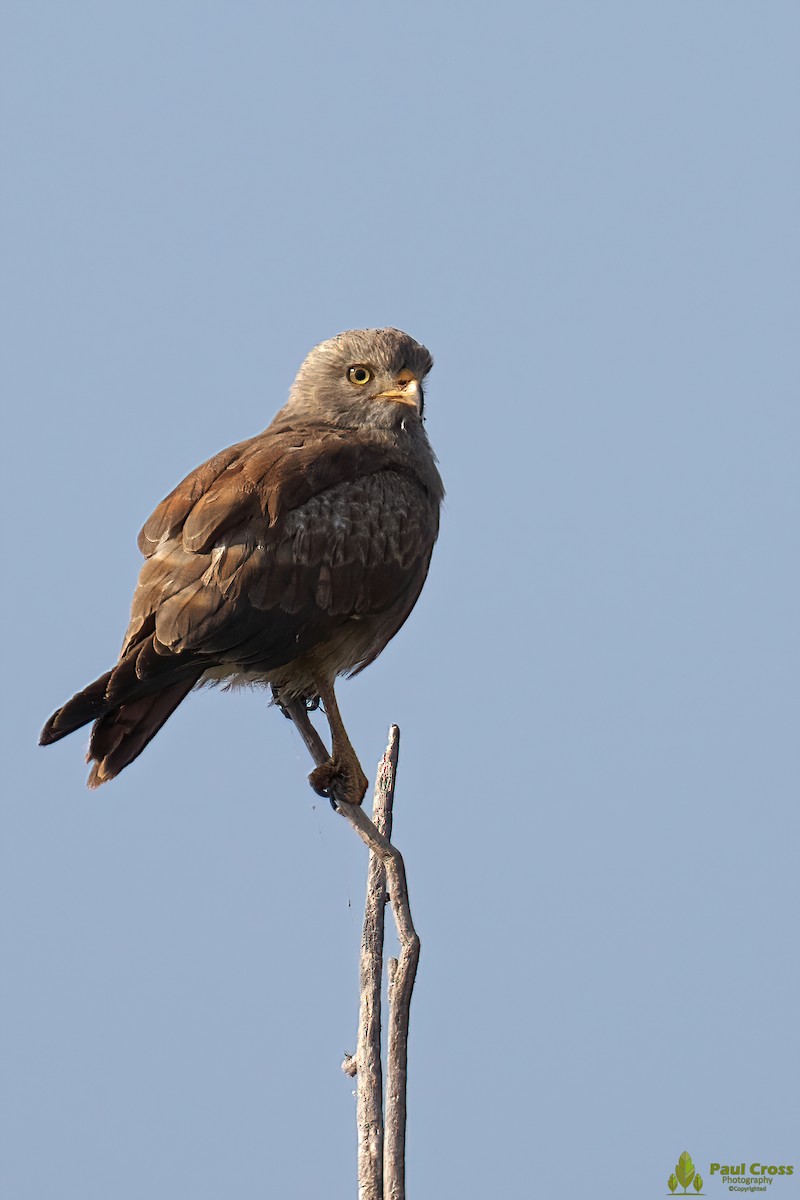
[399,999]
[368,1055]
[386,863]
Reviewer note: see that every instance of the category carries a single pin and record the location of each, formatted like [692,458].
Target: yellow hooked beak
[407,391]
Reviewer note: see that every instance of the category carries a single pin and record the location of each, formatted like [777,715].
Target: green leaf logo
[684,1169]
[672,1183]
[698,1182]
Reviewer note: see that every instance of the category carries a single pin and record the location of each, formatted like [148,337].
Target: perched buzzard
[288,559]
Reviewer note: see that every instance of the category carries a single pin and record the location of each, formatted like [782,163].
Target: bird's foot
[311,703]
[340,782]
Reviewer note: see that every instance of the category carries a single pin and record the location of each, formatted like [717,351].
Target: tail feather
[121,735]
[128,706]
[84,707]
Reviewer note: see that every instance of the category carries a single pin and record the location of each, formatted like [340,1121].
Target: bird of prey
[288,559]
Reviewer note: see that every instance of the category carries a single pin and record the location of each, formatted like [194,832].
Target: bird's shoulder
[269,476]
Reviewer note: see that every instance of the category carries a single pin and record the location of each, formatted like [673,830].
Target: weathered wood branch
[367,1061]
[378,1130]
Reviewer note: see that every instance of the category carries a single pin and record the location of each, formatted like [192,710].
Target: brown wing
[266,476]
[268,591]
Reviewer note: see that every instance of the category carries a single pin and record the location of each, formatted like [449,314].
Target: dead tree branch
[378,1131]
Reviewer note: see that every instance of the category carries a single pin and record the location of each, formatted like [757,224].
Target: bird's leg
[340,778]
[296,711]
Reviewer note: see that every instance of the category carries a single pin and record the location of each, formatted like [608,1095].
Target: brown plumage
[287,559]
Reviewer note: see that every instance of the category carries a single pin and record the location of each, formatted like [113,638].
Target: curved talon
[339,783]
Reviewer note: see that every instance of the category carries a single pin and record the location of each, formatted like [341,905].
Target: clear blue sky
[589,213]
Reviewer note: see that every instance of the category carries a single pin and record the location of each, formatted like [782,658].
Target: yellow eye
[359,375]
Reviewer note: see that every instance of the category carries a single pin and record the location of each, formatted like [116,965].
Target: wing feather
[267,549]
[176,507]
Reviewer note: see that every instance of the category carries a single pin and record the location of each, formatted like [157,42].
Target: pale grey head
[363,377]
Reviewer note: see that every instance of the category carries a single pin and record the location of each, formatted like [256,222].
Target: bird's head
[364,377]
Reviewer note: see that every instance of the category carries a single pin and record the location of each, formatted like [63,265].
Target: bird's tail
[122,727]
